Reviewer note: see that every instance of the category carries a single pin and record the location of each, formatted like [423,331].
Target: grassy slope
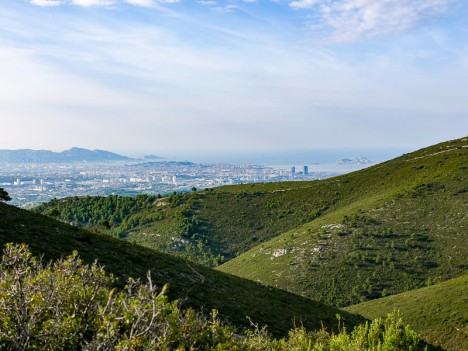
[199,286]
[411,229]
[217,225]
[223,222]
[396,226]
[438,313]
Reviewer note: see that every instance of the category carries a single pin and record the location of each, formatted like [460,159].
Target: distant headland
[75,154]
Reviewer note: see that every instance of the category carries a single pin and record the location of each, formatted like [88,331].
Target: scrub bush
[68,305]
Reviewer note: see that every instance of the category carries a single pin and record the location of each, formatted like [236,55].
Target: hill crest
[75,154]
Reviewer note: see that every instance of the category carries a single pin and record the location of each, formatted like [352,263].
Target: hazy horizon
[279,157]
[232,75]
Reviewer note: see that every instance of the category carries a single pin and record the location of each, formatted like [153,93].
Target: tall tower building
[293,171]
[306,170]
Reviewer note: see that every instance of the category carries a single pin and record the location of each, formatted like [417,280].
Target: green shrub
[67,305]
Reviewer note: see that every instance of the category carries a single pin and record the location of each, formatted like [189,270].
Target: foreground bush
[67,305]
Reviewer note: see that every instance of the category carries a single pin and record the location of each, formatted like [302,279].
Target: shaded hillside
[438,313]
[399,226]
[196,285]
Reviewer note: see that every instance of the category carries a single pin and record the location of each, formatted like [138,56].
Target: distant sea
[323,159]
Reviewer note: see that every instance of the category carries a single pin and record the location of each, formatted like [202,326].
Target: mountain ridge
[74,154]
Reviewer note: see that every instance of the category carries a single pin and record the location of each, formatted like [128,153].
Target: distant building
[293,171]
[306,170]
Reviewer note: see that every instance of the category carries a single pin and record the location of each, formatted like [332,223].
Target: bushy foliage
[67,305]
[4,195]
[100,212]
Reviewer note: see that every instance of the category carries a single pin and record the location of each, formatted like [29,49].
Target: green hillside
[397,226]
[390,228]
[209,227]
[216,225]
[438,313]
[195,285]
[394,227]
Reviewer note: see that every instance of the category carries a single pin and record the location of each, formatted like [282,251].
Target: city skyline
[139,76]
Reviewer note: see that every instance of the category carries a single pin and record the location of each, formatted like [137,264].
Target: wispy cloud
[327,20]
[354,20]
[89,3]
[46,2]
[207,2]
[304,4]
[197,78]
[143,3]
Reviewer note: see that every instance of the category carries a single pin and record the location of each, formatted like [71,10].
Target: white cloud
[143,3]
[207,2]
[46,2]
[226,9]
[87,3]
[304,4]
[353,20]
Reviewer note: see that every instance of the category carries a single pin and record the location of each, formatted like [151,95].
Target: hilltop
[74,154]
[438,313]
[194,285]
[394,227]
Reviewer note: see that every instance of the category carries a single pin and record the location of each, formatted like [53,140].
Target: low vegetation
[394,227]
[66,305]
[438,313]
[193,285]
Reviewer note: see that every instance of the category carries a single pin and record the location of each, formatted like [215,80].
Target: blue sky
[225,76]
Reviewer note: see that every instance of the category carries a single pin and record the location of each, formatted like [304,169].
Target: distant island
[355,161]
[152,157]
[75,154]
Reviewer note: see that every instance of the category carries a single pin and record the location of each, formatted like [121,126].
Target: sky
[209,76]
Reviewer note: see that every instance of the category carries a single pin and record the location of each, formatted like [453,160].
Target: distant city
[30,183]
